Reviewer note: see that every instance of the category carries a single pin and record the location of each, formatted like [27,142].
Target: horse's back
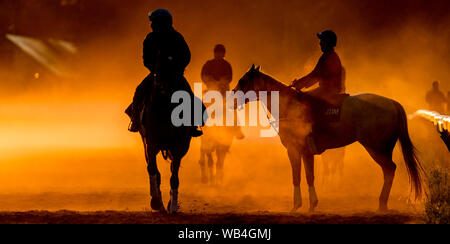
[367,102]
[371,116]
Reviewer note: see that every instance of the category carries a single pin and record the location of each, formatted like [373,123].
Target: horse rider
[217,75]
[436,99]
[166,55]
[328,71]
[330,75]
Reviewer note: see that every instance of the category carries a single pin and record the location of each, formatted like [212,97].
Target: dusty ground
[121,217]
[195,210]
[110,185]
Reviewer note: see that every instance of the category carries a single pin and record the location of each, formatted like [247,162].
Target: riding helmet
[329,36]
[161,15]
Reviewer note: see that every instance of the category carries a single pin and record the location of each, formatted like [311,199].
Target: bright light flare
[442,121]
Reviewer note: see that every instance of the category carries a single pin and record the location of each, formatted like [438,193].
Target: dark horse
[160,135]
[374,121]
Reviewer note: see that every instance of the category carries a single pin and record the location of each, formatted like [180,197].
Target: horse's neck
[287,96]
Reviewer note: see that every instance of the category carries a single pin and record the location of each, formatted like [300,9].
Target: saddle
[324,113]
[327,111]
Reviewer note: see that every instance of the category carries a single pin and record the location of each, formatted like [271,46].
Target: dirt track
[117,217]
[132,207]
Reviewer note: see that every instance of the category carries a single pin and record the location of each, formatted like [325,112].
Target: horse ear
[258,68]
[253,67]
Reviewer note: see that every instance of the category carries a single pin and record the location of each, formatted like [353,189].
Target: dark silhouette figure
[330,75]
[166,55]
[374,121]
[328,71]
[445,136]
[217,75]
[436,99]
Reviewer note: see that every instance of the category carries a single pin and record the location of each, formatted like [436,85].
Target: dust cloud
[68,135]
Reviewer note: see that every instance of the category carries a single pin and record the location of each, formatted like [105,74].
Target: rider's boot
[315,139]
[134,124]
[196,131]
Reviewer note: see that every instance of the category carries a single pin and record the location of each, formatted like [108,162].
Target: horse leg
[309,169]
[155,180]
[210,167]
[326,169]
[202,163]
[219,165]
[296,163]
[384,159]
[340,167]
[174,184]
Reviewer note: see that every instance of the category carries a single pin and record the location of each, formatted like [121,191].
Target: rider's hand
[295,84]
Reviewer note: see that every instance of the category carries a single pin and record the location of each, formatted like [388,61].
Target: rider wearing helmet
[330,75]
[217,73]
[166,55]
[328,71]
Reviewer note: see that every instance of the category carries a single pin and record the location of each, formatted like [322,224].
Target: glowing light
[441,121]
[46,53]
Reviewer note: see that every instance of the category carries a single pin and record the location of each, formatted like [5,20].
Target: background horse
[333,166]
[160,135]
[374,121]
[218,140]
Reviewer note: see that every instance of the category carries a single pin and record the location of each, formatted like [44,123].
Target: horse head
[247,82]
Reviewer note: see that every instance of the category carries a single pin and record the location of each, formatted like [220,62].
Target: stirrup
[131,127]
[196,132]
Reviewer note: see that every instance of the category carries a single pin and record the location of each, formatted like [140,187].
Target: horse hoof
[172,208]
[156,204]
[204,180]
[312,209]
[382,210]
[315,204]
[295,209]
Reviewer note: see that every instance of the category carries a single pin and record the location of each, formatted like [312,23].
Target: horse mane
[280,86]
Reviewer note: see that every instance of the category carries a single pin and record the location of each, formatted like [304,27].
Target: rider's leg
[138,100]
[195,130]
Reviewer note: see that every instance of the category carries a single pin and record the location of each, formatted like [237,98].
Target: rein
[275,122]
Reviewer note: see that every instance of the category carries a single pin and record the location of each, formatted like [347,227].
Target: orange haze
[69,134]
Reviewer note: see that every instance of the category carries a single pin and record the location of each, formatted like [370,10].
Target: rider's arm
[147,53]
[183,56]
[310,79]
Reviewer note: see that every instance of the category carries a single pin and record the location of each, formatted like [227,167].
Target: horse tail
[409,153]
